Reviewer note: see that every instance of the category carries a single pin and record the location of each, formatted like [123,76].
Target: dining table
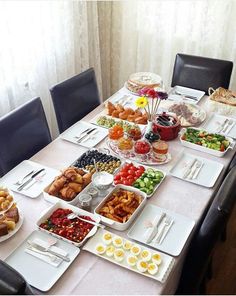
[89,274]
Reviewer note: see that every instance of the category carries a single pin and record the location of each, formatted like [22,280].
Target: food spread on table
[9,215]
[188,114]
[139,80]
[120,205]
[137,176]
[129,114]
[222,95]
[72,229]
[69,184]
[104,162]
[205,139]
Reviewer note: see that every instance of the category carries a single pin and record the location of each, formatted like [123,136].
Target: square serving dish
[115,224]
[54,199]
[63,205]
[205,149]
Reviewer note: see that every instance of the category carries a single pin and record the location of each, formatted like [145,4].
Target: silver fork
[19,182]
[167,222]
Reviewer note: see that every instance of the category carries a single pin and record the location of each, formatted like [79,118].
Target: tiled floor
[224,263]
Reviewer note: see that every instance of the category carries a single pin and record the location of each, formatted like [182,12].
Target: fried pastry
[67,193]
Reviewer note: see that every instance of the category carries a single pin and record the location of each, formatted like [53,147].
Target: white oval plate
[13,232]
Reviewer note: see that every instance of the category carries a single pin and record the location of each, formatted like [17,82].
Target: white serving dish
[23,169]
[198,94]
[14,231]
[215,122]
[38,273]
[146,167]
[176,236]
[54,199]
[47,213]
[164,268]
[207,176]
[78,128]
[114,224]
[205,149]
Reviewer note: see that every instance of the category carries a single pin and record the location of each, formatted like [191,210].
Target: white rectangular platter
[38,273]
[176,236]
[179,93]
[221,124]
[146,168]
[103,113]
[89,141]
[164,268]
[23,169]
[208,174]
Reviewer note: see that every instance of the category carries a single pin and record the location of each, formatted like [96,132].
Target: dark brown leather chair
[200,72]
[197,261]
[23,132]
[12,282]
[74,98]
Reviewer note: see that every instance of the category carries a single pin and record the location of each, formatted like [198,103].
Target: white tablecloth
[89,274]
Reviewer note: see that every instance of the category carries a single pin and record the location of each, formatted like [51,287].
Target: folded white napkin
[152,227]
[46,257]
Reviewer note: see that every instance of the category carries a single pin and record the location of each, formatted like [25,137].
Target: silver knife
[155,229]
[189,169]
[47,250]
[89,132]
[29,180]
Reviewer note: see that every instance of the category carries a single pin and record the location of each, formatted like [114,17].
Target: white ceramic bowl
[63,205]
[117,225]
[102,180]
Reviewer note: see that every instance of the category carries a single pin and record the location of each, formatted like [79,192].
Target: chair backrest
[23,132]
[207,235]
[12,282]
[200,72]
[74,98]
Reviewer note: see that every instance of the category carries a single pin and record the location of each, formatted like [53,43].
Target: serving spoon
[72,216]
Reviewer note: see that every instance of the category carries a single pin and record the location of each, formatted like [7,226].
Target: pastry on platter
[222,95]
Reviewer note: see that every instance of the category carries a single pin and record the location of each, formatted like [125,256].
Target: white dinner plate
[23,169]
[89,141]
[38,273]
[176,236]
[208,174]
[13,232]
[179,93]
[216,122]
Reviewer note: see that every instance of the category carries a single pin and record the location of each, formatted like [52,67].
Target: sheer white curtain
[42,43]
[148,34]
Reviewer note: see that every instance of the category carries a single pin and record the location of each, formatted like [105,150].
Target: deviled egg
[119,255]
[142,266]
[146,255]
[127,245]
[110,251]
[156,258]
[100,249]
[135,250]
[107,238]
[117,241]
[152,268]
[131,260]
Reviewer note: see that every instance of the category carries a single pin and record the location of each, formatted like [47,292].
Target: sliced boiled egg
[135,250]
[117,241]
[131,260]
[107,238]
[156,258]
[110,251]
[152,268]
[100,249]
[127,245]
[142,266]
[119,254]
[146,255]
